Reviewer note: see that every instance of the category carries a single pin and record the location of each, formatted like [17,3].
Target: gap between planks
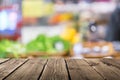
[67,70]
[107,63]
[55,69]
[31,70]
[95,69]
[42,70]
[107,71]
[80,70]
[4,60]
[16,67]
[111,62]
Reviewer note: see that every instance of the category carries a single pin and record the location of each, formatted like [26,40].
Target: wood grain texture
[112,62]
[59,69]
[3,60]
[107,71]
[29,71]
[80,70]
[55,70]
[9,66]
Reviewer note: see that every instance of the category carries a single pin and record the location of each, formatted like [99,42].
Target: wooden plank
[9,66]
[112,62]
[117,60]
[31,70]
[3,60]
[55,70]
[107,71]
[80,70]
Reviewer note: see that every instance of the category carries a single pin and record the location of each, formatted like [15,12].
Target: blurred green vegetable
[37,45]
[11,47]
[59,44]
[48,44]
[42,43]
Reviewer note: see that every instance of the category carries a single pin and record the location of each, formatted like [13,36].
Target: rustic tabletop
[59,69]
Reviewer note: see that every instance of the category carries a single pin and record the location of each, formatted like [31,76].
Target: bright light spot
[93,28]
[3,20]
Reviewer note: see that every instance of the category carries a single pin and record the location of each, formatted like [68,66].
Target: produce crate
[91,54]
[40,54]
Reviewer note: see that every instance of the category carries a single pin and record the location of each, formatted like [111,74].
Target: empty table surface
[59,69]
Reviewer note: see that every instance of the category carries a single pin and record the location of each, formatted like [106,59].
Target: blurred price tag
[36,8]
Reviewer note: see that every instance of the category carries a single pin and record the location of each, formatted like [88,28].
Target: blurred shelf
[40,54]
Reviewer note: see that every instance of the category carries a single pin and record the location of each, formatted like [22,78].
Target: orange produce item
[55,19]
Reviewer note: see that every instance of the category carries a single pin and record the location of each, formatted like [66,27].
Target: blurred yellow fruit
[65,17]
[76,39]
[69,34]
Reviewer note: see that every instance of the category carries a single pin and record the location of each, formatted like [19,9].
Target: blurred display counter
[97,50]
[113,55]
[40,54]
[87,50]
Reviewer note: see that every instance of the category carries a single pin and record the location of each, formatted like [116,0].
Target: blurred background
[59,28]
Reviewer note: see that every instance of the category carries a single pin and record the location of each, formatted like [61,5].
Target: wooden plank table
[59,69]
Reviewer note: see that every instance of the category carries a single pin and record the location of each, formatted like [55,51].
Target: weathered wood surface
[59,69]
[80,70]
[55,70]
[31,68]
[10,66]
[107,71]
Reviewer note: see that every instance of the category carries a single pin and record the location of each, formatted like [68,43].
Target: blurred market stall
[67,28]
